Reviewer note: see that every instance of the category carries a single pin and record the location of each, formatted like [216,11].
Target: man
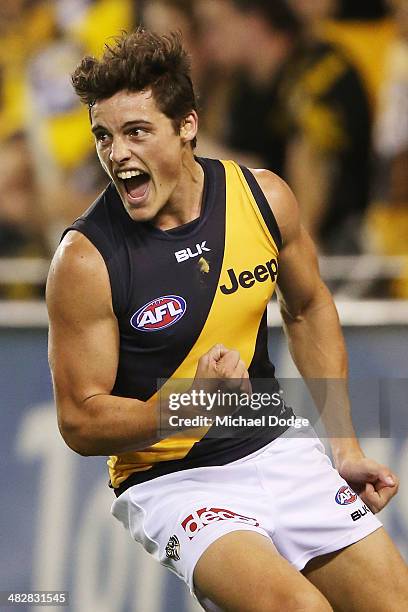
[172,266]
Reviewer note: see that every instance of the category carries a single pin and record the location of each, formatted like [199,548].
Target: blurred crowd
[315,90]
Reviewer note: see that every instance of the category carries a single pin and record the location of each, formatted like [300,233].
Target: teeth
[129,174]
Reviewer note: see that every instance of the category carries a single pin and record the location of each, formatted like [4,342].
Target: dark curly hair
[138,61]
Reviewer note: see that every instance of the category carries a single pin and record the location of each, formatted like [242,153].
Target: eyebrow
[97,128]
[134,123]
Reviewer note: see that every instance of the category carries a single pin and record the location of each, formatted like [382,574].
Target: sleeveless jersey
[176,294]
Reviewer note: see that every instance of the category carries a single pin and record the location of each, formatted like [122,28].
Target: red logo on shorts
[199,519]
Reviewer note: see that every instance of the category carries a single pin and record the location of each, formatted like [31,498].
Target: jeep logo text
[247,279]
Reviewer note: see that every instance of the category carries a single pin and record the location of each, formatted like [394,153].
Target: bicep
[83,336]
[299,281]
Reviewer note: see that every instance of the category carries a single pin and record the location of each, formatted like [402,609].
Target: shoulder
[281,201]
[76,254]
[77,274]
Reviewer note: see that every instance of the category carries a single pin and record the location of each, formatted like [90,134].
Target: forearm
[109,425]
[318,350]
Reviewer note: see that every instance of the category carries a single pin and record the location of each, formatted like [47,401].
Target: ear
[189,127]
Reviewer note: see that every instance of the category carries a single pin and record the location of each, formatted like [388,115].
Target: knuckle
[203,361]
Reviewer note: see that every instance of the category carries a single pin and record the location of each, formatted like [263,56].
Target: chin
[139,214]
[142,215]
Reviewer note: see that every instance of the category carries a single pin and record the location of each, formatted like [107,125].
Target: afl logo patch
[159,313]
[345,496]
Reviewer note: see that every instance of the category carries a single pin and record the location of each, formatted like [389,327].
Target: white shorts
[287,491]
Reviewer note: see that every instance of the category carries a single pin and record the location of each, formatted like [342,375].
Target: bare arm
[310,319]
[317,345]
[83,355]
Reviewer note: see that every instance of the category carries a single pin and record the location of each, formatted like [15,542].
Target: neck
[185,202]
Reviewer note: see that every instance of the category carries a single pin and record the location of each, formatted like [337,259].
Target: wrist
[344,449]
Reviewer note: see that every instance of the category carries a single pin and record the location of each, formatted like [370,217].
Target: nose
[120,151]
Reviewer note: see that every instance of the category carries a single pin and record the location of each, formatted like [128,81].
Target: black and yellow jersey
[176,294]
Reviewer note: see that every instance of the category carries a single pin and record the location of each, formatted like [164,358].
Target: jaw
[163,195]
[144,201]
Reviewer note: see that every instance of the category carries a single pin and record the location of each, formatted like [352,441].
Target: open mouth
[136,184]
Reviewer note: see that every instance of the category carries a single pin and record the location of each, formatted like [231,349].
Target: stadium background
[55,526]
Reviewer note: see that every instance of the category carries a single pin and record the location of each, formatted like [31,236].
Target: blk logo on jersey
[197,520]
[159,313]
[247,279]
[345,496]
[188,253]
